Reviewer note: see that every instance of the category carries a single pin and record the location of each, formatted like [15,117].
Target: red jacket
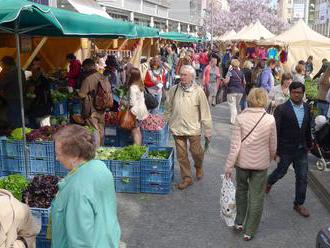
[203,58]
[74,73]
[151,84]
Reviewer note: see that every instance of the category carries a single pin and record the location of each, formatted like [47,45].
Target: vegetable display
[17,134]
[158,154]
[41,191]
[15,184]
[128,153]
[59,95]
[311,89]
[42,134]
[153,123]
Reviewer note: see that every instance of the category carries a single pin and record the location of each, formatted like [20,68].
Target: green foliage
[128,153]
[311,89]
[15,184]
[17,134]
[158,154]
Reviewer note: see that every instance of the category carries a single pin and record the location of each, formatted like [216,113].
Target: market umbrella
[180,37]
[24,17]
[146,32]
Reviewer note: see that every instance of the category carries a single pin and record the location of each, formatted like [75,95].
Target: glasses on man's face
[297,92]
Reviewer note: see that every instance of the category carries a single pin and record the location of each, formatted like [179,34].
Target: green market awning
[24,17]
[146,32]
[180,37]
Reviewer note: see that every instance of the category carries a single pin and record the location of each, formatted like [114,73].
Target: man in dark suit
[294,140]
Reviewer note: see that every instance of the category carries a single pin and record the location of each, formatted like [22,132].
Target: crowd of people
[269,118]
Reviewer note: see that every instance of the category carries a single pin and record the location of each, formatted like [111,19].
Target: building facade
[322,17]
[293,10]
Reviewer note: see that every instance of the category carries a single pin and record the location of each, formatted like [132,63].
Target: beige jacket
[16,222]
[257,151]
[188,111]
[136,101]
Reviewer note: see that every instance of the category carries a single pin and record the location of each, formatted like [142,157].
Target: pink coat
[206,76]
[257,151]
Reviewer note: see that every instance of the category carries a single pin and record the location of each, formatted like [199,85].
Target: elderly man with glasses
[188,112]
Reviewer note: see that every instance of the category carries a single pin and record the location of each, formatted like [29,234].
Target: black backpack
[150,100]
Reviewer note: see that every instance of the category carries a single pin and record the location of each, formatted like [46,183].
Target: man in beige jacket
[18,229]
[188,111]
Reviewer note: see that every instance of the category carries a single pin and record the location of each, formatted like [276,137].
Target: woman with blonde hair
[253,147]
[235,82]
[137,102]
[324,85]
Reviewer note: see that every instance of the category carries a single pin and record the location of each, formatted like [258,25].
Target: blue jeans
[323,108]
[300,165]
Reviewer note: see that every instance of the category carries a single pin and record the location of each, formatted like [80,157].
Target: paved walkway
[191,219]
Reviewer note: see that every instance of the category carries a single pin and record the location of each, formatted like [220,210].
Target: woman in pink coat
[253,147]
[211,79]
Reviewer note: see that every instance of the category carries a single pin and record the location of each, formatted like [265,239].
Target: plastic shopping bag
[227,201]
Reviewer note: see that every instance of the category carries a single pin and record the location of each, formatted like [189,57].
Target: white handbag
[227,201]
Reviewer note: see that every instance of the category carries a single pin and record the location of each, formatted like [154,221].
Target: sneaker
[247,237]
[238,228]
[301,210]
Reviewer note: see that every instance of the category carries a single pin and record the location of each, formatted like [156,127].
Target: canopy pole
[20,83]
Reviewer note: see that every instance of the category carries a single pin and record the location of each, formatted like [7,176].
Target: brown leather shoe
[301,210]
[268,188]
[199,173]
[185,183]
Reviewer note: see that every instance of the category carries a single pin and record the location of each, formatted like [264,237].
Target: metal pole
[212,24]
[20,83]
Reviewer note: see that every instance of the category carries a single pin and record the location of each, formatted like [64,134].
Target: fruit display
[41,191]
[128,153]
[153,123]
[15,184]
[111,118]
[42,134]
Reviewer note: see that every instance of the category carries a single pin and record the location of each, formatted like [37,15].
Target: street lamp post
[212,24]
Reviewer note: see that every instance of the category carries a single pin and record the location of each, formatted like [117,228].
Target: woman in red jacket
[74,71]
[211,79]
[155,80]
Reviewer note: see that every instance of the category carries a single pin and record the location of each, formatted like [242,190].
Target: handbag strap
[254,127]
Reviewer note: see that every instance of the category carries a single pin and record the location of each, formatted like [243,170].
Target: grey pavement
[190,218]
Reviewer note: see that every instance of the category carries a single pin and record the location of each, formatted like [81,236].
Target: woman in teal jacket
[84,212]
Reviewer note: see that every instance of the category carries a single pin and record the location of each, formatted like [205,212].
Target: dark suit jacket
[289,135]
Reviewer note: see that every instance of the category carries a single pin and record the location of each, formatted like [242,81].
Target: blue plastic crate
[43,149]
[41,215]
[160,177]
[127,184]
[60,170]
[34,166]
[75,107]
[110,166]
[43,243]
[111,141]
[158,164]
[60,109]
[155,188]
[12,148]
[124,137]
[126,168]
[156,138]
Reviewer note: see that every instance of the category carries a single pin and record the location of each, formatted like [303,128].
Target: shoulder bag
[254,127]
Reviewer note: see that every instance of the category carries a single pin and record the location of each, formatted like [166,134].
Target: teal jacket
[84,212]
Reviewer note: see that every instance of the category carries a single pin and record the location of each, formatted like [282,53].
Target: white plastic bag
[227,201]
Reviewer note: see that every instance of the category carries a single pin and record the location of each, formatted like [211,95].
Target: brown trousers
[96,120]
[196,151]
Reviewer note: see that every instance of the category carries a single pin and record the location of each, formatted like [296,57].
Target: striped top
[257,151]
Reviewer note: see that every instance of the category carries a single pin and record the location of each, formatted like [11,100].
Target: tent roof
[229,35]
[147,32]
[180,37]
[300,32]
[24,17]
[255,32]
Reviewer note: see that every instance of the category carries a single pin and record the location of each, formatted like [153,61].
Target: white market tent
[302,42]
[255,32]
[228,35]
